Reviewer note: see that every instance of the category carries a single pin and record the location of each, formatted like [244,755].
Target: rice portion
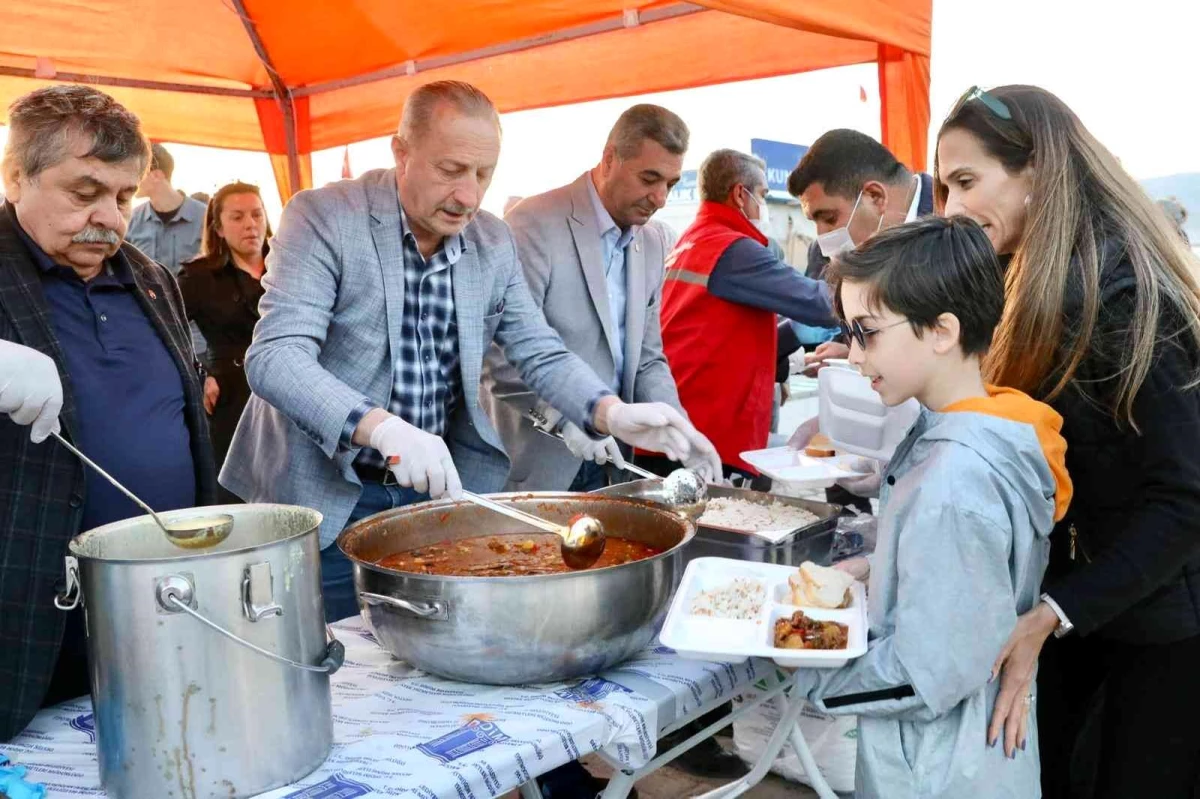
[751,517]
[741,599]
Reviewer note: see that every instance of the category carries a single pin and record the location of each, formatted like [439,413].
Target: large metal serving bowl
[515,630]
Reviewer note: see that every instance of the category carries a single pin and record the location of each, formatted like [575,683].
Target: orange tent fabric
[288,77]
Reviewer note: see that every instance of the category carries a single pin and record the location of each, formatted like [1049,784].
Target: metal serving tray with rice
[806,539]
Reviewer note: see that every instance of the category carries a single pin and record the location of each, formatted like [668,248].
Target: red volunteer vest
[722,354]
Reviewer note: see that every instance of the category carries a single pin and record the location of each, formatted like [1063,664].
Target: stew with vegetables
[507,556]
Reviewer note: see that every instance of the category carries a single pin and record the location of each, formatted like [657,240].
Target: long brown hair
[1081,197]
[213,248]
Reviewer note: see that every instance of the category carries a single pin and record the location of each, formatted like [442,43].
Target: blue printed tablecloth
[401,732]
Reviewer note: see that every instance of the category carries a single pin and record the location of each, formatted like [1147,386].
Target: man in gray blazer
[381,296]
[594,263]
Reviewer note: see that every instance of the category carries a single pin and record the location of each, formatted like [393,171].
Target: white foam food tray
[793,466]
[734,640]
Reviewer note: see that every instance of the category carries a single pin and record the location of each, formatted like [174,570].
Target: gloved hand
[797,362]
[657,427]
[804,434]
[30,389]
[858,567]
[704,460]
[868,484]
[424,461]
[583,446]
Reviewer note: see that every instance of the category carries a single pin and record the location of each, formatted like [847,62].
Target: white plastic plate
[793,466]
[735,640]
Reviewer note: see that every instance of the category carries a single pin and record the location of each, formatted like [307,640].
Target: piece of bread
[816,586]
[819,447]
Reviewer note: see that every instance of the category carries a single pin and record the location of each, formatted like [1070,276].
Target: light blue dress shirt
[613,242]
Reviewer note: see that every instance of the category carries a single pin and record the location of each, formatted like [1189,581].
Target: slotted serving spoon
[199,533]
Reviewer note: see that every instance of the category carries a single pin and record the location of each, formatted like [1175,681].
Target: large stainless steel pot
[209,668]
[515,630]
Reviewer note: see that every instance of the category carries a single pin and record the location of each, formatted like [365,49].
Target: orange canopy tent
[291,76]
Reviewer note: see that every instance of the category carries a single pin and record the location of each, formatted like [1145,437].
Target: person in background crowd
[594,264]
[381,296]
[93,343]
[1177,214]
[221,289]
[1102,321]
[723,289]
[169,227]
[201,197]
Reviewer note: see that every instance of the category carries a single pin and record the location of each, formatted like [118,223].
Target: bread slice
[816,586]
[819,447]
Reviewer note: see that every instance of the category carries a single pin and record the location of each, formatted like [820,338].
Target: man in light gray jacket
[594,263]
[381,296]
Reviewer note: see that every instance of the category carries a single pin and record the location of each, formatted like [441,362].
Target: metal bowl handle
[432,609]
[175,594]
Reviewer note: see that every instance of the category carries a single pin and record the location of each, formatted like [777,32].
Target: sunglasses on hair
[989,101]
[854,331]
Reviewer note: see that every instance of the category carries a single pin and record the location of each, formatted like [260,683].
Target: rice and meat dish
[741,599]
[800,632]
[739,514]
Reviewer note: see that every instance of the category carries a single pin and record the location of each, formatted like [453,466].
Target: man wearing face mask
[594,263]
[723,290]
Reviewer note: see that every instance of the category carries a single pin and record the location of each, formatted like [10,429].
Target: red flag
[346,173]
[862,94]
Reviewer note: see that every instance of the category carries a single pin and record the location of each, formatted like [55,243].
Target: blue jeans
[337,572]
[591,476]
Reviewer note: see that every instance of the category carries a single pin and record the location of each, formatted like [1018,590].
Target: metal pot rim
[196,554]
[688,534]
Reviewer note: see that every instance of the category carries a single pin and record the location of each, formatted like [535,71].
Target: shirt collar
[604,220]
[452,246]
[117,266]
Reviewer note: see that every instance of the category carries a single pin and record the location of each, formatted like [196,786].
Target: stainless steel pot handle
[176,592]
[432,609]
[72,595]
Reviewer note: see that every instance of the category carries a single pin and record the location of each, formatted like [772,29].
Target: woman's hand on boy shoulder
[1017,666]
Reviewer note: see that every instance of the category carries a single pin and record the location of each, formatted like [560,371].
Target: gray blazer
[330,323]
[559,243]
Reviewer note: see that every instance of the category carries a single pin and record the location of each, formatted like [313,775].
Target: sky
[1128,70]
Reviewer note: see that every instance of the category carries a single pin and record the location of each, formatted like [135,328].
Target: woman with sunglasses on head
[221,289]
[1102,321]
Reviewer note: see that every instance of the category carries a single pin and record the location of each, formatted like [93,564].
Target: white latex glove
[30,389]
[868,484]
[804,433]
[583,446]
[858,567]
[797,363]
[423,461]
[657,427]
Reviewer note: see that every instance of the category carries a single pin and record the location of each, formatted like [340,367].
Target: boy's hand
[857,567]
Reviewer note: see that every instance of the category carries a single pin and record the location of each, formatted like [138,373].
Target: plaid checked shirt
[428,380]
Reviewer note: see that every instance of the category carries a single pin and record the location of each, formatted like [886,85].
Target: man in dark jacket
[93,343]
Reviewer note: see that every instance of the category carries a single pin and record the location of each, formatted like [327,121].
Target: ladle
[199,533]
[581,543]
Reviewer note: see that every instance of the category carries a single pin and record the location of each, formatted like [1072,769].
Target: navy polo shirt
[128,392]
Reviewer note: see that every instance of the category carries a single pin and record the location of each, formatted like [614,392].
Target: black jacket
[1135,576]
[42,485]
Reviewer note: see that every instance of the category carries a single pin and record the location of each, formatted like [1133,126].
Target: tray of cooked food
[730,610]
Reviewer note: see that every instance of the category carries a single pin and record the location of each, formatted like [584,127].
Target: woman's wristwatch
[1064,624]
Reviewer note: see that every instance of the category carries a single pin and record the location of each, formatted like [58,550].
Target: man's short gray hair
[724,169]
[420,106]
[43,123]
[646,121]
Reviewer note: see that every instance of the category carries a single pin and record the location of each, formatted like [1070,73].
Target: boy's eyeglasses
[854,331]
[991,102]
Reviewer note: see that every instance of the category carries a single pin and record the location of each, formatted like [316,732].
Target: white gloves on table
[424,461]
[657,427]
[602,451]
[30,389]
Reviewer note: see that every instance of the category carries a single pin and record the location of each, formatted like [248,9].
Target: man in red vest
[723,290]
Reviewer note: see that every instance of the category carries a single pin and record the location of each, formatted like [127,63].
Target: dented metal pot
[209,668]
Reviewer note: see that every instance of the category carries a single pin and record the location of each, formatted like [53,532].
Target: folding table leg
[529,790]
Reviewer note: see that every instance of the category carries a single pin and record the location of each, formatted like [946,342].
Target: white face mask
[763,223]
[838,241]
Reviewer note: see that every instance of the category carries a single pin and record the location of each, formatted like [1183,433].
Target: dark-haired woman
[221,289]
[1102,321]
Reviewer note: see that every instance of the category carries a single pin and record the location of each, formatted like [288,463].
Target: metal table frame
[622,780]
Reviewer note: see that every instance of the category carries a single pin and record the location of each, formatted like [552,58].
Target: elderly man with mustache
[381,296]
[93,344]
